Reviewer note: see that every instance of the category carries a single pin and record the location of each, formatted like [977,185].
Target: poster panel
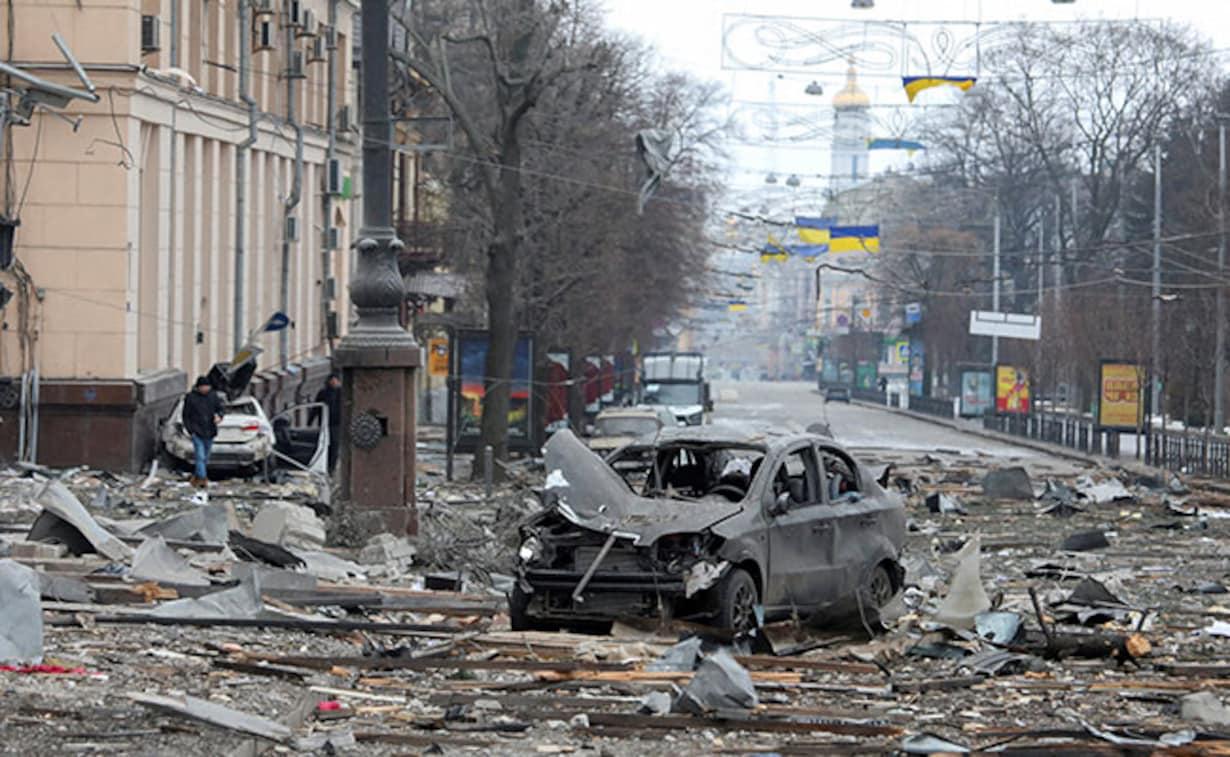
[977,393]
[1120,404]
[472,363]
[1011,390]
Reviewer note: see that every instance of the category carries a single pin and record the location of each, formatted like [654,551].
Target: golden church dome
[850,95]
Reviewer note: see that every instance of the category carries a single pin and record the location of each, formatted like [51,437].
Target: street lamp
[793,181]
[814,88]
[377,356]
[770,179]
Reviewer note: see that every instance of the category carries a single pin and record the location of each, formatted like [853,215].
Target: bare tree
[490,61]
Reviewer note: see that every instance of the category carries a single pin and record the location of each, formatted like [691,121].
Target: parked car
[244,443]
[616,427]
[248,441]
[708,524]
[837,394]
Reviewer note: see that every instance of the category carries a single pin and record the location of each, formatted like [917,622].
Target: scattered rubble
[1006,642]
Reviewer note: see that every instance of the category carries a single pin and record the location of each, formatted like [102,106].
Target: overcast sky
[687,34]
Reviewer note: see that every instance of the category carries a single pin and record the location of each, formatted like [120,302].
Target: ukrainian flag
[813,231]
[915,84]
[773,252]
[736,306]
[809,252]
[854,239]
[895,144]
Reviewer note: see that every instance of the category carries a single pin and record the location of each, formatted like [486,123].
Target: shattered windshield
[672,394]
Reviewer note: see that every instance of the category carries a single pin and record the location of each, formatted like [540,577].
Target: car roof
[763,437]
[628,412]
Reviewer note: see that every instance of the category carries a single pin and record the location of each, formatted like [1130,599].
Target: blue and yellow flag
[809,252]
[773,252]
[915,84]
[814,231]
[854,239]
[736,306]
[895,144]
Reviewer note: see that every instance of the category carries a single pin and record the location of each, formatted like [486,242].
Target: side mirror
[780,505]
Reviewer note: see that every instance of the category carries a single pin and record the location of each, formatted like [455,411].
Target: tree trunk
[501,307]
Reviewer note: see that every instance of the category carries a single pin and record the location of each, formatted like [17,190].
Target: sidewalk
[974,428]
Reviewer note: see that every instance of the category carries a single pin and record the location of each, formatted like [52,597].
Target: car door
[855,519]
[800,537]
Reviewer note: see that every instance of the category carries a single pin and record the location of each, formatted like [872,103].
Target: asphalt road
[797,405]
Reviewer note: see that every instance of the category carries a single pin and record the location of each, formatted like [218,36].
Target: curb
[1016,441]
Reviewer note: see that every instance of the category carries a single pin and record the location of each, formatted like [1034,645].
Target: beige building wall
[128,222]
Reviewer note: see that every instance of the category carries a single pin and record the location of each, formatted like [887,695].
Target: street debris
[207,640]
[966,597]
[1008,483]
[21,622]
[155,561]
[720,684]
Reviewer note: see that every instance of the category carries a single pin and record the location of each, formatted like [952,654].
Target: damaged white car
[707,524]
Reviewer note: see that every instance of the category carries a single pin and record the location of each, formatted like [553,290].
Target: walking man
[202,413]
[331,397]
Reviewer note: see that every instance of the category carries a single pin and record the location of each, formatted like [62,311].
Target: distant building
[850,160]
[126,276]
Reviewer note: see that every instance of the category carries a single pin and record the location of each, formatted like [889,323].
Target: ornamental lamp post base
[378,360]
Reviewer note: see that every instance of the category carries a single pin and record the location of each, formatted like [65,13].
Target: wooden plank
[436,663]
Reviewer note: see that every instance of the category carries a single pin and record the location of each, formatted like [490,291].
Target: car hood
[686,411]
[591,495]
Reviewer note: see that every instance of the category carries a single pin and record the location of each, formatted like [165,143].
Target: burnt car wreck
[707,525]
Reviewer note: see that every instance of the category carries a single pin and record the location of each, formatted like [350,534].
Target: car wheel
[519,619]
[737,599]
[880,586]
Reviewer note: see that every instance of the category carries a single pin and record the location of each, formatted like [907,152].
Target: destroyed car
[248,440]
[245,437]
[620,426]
[707,524]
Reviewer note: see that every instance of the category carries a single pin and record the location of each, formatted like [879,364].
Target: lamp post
[377,356]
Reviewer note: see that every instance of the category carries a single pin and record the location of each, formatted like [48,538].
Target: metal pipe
[1156,312]
[578,594]
[241,170]
[1219,350]
[292,200]
[995,279]
[175,33]
[34,414]
[326,252]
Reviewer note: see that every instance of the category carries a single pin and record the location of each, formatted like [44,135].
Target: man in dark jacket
[331,397]
[202,413]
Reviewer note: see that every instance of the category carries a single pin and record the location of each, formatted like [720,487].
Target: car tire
[737,598]
[519,619]
[880,587]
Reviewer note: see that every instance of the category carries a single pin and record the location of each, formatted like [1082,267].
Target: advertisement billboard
[1120,398]
[437,357]
[916,368]
[977,393]
[471,349]
[558,367]
[1011,390]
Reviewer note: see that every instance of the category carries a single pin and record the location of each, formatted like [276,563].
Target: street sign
[1008,325]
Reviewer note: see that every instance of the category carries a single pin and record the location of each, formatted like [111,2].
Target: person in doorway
[202,413]
[331,397]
